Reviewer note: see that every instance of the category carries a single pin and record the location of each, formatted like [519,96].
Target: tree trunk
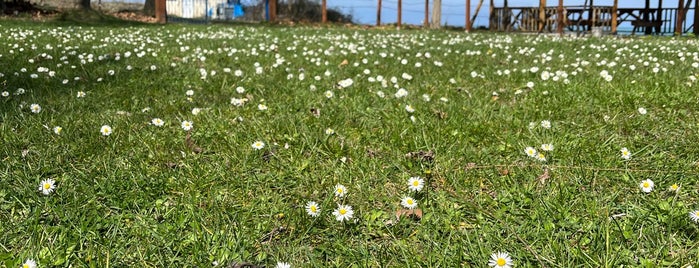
[149,8]
[85,4]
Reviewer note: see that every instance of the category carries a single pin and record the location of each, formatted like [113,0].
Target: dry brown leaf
[344,62]
[427,156]
[190,144]
[470,165]
[504,172]
[415,213]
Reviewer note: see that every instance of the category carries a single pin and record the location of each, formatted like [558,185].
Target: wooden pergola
[649,18]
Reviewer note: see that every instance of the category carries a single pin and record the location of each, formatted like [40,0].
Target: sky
[364,11]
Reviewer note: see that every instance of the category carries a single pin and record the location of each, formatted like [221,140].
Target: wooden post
[467,26]
[680,17]
[436,14]
[426,23]
[615,16]
[378,14]
[160,11]
[272,10]
[560,18]
[506,15]
[696,18]
[491,17]
[400,10]
[542,15]
[646,17]
[324,11]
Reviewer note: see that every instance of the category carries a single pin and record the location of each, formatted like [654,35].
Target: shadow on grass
[93,18]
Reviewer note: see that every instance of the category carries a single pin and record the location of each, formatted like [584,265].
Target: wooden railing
[581,19]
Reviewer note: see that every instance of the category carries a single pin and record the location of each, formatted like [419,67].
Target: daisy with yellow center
[500,260]
[29,263]
[340,190]
[312,209]
[258,145]
[415,184]
[47,186]
[343,212]
[530,151]
[625,153]
[408,202]
[647,186]
[106,130]
[674,188]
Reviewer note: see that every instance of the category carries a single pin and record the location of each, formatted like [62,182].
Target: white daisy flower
[416,184]
[343,212]
[57,130]
[283,265]
[547,147]
[694,215]
[329,131]
[647,186]
[81,94]
[257,145]
[106,130]
[546,124]
[47,186]
[642,111]
[312,209]
[35,108]
[340,190]
[408,202]
[29,263]
[187,125]
[530,151]
[625,153]
[409,108]
[500,260]
[157,122]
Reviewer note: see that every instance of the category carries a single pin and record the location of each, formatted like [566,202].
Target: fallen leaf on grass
[427,156]
[414,213]
[190,144]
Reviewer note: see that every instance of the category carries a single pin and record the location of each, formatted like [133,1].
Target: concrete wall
[102,5]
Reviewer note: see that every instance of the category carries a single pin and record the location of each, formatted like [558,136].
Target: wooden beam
[615,16]
[400,11]
[560,18]
[478,9]
[680,17]
[378,14]
[646,17]
[542,15]
[160,11]
[324,11]
[467,26]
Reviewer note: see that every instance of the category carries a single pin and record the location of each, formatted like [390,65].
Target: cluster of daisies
[546,147]
[342,213]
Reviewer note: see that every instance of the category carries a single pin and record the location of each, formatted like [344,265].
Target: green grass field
[281,116]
